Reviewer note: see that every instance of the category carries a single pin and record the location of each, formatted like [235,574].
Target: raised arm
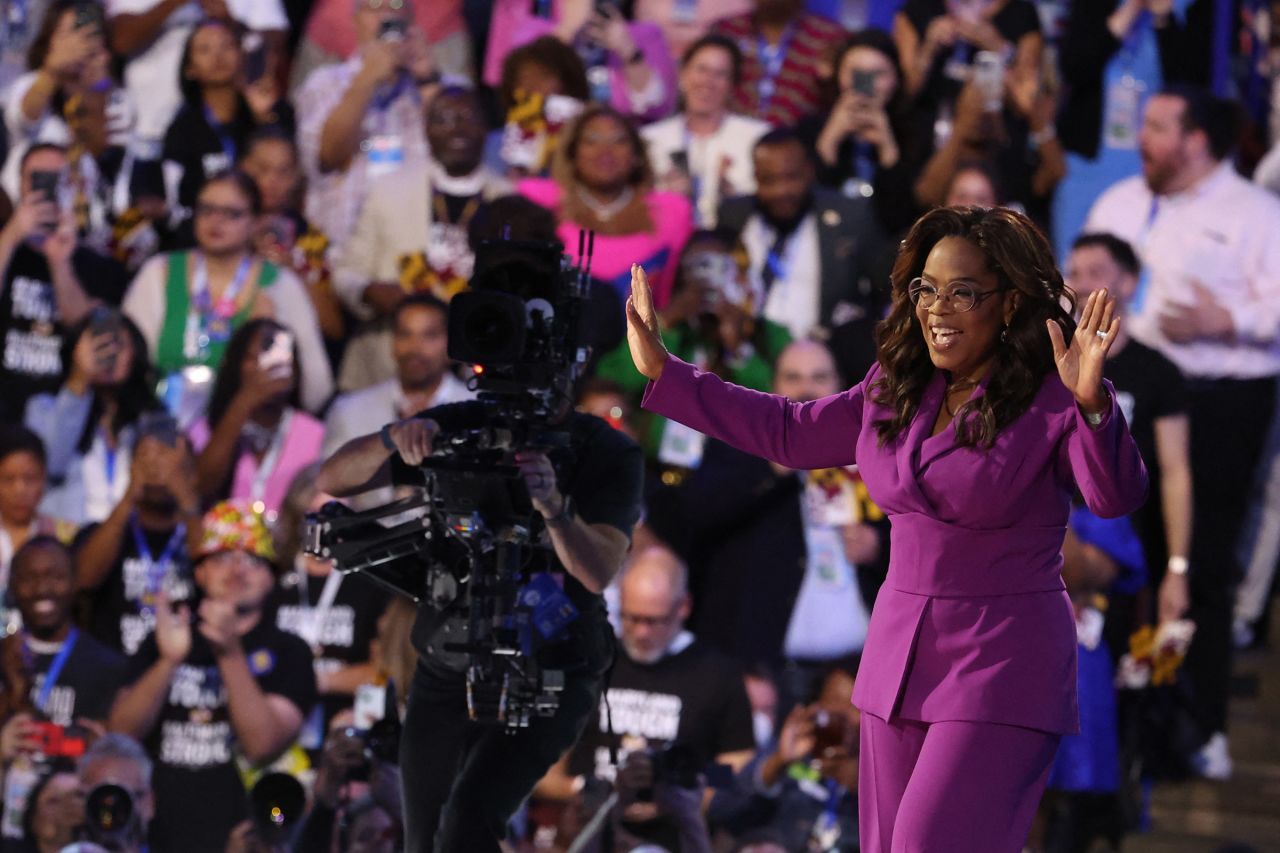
[818,434]
[1102,455]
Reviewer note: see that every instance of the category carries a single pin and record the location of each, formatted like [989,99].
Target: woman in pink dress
[602,182]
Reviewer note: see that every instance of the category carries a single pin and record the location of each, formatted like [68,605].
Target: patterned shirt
[392,136]
[793,92]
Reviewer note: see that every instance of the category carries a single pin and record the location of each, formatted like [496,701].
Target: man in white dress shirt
[419,347]
[1209,301]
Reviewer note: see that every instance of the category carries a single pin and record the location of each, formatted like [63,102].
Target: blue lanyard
[695,175]
[224,137]
[864,164]
[55,670]
[381,102]
[109,456]
[155,567]
[771,62]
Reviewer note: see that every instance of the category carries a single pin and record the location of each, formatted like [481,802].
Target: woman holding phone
[866,141]
[188,304]
[90,425]
[985,413]
[222,106]
[255,438]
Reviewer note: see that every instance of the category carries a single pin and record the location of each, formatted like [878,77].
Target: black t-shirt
[86,685]
[345,630]
[199,795]
[123,611]
[203,150]
[1148,387]
[601,470]
[29,326]
[694,698]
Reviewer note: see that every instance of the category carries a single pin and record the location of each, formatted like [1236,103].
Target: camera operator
[588,498]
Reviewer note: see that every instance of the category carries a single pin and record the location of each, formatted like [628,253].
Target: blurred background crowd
[231,231]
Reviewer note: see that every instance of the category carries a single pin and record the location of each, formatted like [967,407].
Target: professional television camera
[474,549]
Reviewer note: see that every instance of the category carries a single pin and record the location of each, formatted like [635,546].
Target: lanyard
[696,171]
[55,670]
[224,136]
[771,62]
[258,488]
[156,567]
[215,320]
[109,453]
[312,625]
[864,164]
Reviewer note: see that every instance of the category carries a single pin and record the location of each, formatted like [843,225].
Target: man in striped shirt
[782,46]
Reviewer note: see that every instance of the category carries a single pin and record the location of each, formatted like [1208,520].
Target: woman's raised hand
[1080,364]
[643,335]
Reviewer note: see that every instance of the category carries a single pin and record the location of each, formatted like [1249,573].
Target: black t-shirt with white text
[124,605]
[199,794]
[694,698]
[344,632]
[30,330]
[85,686]
[1148,387]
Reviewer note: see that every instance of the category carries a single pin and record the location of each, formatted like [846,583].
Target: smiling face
[706,81]
[455,131]
[1092,268]
[962,342]
[605,157]
[235,576]
[43,589]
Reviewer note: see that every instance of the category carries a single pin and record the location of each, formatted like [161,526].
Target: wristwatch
[385,435]
[566,513]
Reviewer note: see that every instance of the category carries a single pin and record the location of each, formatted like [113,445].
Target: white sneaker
[1213,761]
[1241,634]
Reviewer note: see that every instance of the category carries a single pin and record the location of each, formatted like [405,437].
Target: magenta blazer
[973,621]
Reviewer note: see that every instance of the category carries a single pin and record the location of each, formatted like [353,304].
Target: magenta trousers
[952,787]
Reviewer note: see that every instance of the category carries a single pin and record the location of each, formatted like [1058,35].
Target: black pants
[1229,423]
[461,781]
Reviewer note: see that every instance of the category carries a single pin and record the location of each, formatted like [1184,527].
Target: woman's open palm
[643,334]
[1080,364]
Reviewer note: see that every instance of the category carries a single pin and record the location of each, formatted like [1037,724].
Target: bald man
[666,688]
[791,559]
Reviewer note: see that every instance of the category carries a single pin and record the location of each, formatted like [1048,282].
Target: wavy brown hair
[1018,253]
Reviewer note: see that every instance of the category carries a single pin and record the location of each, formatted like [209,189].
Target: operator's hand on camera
[219,624]
[413,438]
[173,629]
[17,737]
[540,480]
[644,336]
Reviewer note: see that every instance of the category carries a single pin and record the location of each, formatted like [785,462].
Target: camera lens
[108,810]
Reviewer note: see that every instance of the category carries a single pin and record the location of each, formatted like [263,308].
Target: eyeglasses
[960,297]
[219,211]
[635,620]
[378,5]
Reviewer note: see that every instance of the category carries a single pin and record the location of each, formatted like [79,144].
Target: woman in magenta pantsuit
[985,413]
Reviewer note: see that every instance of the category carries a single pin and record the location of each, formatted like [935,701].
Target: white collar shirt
[1222,233]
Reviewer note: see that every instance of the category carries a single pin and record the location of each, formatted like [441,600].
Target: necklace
[955,387]
[606,211]
[441,211]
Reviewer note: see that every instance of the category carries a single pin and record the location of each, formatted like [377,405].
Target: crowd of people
[231,230]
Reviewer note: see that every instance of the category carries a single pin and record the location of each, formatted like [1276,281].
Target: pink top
[303,438]
[513,24]
[332,27]
[658,252]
